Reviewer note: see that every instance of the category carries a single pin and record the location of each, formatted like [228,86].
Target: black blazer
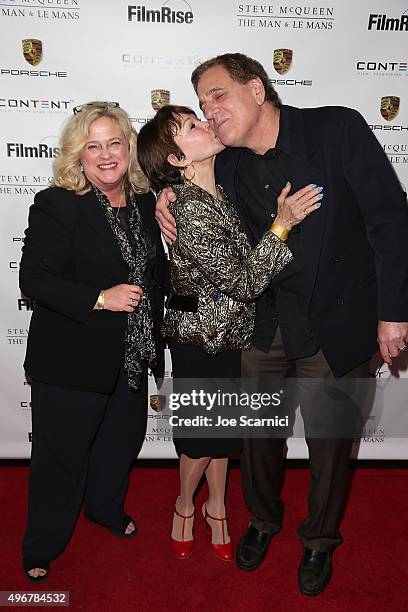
[69,255]
[354,246]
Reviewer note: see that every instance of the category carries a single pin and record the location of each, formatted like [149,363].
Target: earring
[81,167]
[184,173]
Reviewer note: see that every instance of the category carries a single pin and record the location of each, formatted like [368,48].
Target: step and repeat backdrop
[56,54]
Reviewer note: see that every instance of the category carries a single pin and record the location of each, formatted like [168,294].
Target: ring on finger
[401,348]
[132,301]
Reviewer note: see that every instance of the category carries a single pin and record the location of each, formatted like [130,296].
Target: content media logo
[141,60]
[64,10]
[32,51]
[383,68]
[279,15]
[171,12]
[35,105]
[384,23]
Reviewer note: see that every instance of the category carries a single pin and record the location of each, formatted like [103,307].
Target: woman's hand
[295,208]
[122,298]
[164,217]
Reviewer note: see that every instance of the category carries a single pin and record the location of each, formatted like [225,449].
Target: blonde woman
[93,262]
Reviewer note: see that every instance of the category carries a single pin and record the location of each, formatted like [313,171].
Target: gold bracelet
[279,231]
[100,303]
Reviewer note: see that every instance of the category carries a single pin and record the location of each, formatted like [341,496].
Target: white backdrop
[343,53]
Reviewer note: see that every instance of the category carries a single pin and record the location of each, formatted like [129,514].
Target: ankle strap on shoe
[213,518]
[182,515]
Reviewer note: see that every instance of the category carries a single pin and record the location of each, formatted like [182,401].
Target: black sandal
[121,533]
[30,564]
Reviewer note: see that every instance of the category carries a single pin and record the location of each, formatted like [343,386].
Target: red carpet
[103,572]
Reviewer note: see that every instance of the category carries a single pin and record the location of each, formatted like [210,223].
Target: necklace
[119,206]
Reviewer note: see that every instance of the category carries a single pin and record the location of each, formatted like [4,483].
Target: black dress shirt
[259,181]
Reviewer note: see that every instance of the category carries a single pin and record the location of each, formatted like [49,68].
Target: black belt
[185,303]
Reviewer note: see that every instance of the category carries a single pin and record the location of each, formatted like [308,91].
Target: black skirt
[191,362]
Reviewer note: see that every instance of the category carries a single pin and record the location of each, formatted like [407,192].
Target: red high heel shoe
[183,548]
[222,551]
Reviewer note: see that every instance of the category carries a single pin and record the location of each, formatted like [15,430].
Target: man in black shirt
[259,180]
[346,287]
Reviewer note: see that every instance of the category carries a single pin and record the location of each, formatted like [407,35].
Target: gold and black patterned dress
[213,260]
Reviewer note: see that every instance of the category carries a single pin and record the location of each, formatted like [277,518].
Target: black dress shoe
[252,548]
[315,571]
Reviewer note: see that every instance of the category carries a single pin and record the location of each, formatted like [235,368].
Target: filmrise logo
[18,149]
[378,21]
[25,304]
[165,14]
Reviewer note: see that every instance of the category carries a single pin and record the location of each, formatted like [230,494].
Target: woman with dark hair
[215,277]
[93,261]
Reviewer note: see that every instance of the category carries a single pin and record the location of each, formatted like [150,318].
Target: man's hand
[164,217]
[392,339]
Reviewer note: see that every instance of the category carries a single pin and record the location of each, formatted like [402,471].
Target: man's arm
[164,217]
[384,208]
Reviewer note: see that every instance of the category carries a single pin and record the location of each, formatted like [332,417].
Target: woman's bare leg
[191,471]
[216,474]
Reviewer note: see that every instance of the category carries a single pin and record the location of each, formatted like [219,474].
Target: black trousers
[263,458]
[83,445]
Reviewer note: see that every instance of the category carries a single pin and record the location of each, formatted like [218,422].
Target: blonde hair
[67,166]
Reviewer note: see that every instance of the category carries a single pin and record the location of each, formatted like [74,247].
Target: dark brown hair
[156,142]
[242,69]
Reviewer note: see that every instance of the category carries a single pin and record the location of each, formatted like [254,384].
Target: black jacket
[69,255]
[355,245]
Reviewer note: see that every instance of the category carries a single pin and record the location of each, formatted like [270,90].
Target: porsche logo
[157,402]
[160,97]
[282,60]
[389,107]
[32,50]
